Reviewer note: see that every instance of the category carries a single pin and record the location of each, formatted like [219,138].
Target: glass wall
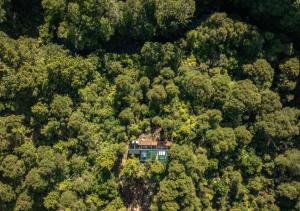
[153,155]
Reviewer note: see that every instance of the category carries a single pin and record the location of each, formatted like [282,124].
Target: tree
[70,200]
[138,19]
[40,113]
[13,132]
[228,186]
[265,201]
[157,94]
[60,111]
[7,194]
[289,194]
[133,176]
[260,72]
[156,56]
[22,78]
[116,204]
[76,22]
[176,192]
[198,87]
[50,162]
[78,164]
[220,141]
[219,39]
[209,120]
[221,86]
[126,116]
[24,202]
[243,136]
[270,101]
[133,170]
[156,171]
[61,107]
[27,152]
[106,159]
[89,25]
[250,163]
[51,200]
[3,5]
[83,184]
[187,162]
[172,14]
[289,190]
[289,72]
[67,74]
[279,127]
[289,162]
[35,181]
[243,101]
[12,167]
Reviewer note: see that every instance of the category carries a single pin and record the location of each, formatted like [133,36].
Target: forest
[80,79]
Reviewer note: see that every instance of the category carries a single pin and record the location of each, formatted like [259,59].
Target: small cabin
[147,147]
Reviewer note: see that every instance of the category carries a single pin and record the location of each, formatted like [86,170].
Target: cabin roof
[149,141]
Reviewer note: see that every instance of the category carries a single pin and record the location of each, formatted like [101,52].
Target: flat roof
[148,141]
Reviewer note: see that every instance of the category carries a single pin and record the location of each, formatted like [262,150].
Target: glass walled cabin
[148,148]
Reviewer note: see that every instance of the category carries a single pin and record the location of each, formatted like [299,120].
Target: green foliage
[3,5]
[106,159]
[51,200]
[270,101]
[250,163]
[193,165]
[35,181]
[279,126]
[156,56]
[221,87]
[243,136]
[290,191]
[156,172]
[81,79]
[198,86]
[69,200]
[289,72]
[7,193]
[176,191]
[260,72]
[176,194]
[289,162]
[13,132]
[116,204]
[222,38]
[24,202]
[132,170]
[243,102]
[76,21]
[90,24]
[172,14]
[12,167]
[157,94]
[220,140]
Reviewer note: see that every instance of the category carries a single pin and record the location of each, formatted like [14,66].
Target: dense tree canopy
[92,24]
[81,79]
